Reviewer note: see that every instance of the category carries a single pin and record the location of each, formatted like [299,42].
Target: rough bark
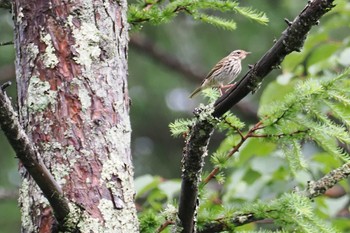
[71,68]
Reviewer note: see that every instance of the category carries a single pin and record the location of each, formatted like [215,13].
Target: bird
[224,72]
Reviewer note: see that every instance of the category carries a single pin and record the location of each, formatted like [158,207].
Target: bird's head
[240,54]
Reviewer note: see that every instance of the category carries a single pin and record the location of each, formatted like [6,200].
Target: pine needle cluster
[157,12]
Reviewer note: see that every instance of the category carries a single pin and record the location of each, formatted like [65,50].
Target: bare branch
[148,47]
[192,164]
[30,158]
[6,4]
[6,43]
[319,187]
[8,194]
[196,146]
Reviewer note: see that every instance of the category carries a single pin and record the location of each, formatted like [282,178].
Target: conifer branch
[30,157]
[292,39]
[313,190]
[235,149]
[196,146]
[157,13]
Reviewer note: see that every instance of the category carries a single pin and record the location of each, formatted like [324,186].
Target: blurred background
[166,63]
[160,94]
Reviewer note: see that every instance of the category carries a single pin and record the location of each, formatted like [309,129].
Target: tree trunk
[71,67]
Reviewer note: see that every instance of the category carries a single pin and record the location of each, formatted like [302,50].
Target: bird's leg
[224,88]
[229,85]
[221,92]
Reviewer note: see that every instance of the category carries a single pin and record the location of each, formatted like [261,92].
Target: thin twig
[164,225]
[6,4]
[235,149]
[235,128]
[281,135]
[149,48]
[8,194]
[6,43]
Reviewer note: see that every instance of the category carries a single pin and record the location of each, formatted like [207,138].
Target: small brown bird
[224,72]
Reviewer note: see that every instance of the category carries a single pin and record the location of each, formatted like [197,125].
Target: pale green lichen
[170,212]
[87,38]
[20,15]
[26,207]
[84,95]
[206,112]
[39,95]
[29,187]
[114,163]
[32,51]
[49,58]
[111,167]
[74,216]
[59,172]
[123,220]
[89,224]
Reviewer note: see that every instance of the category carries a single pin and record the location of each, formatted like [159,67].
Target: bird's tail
[195,92]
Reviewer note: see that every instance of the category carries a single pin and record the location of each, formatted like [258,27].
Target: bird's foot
[224,88]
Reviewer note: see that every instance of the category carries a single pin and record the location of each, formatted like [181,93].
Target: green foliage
[219,160]
[273,156]
[180,127]
[291,211]
[304,116]
[149,222]
[152,194]
[212,94]
[292,151]
[216,21]
[156,12]
[253,14]
[301,115]
[230,123]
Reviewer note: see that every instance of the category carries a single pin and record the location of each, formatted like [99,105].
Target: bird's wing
[215,68]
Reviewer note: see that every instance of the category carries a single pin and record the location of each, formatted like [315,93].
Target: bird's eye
[238,52]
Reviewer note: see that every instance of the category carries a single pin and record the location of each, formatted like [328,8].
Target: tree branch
[192,164]
[6,43]
[148,47]
[319,187]
[313,190]
[8,194]
[6,4]
[291,40]
[30,157]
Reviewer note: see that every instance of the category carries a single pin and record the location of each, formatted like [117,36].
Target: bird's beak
[247,53]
